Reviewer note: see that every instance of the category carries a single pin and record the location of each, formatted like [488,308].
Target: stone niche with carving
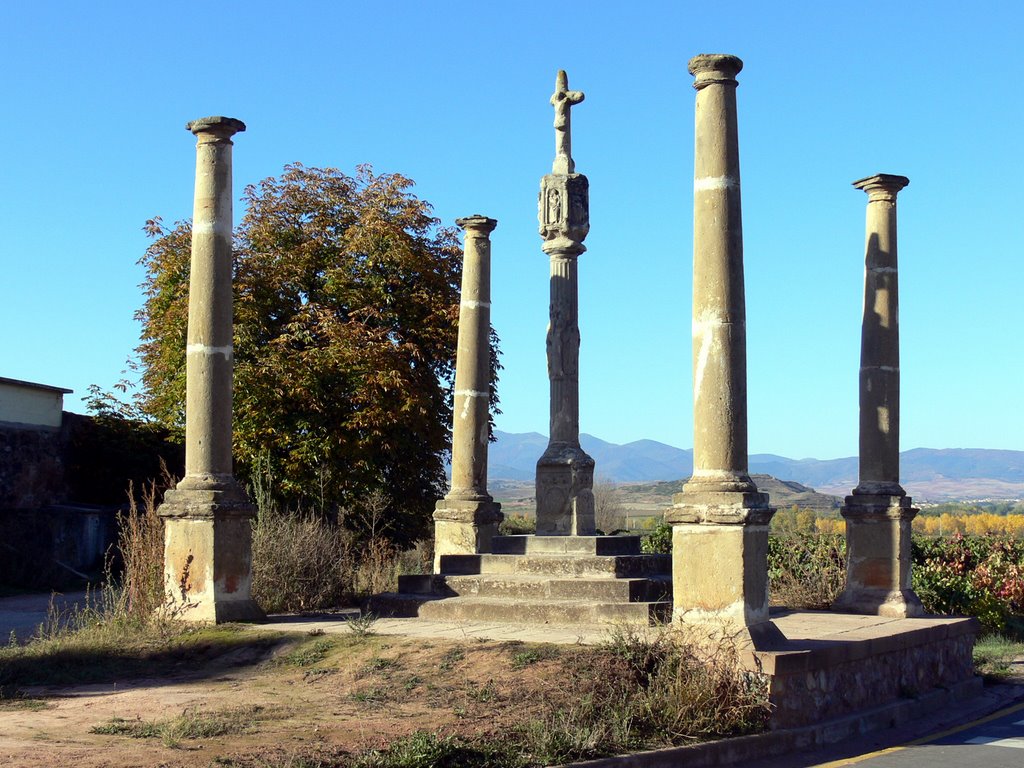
[563,207]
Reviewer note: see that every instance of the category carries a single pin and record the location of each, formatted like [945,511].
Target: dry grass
[807,571]
[141,546]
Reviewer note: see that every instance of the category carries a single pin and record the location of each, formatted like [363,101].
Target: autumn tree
[346,306]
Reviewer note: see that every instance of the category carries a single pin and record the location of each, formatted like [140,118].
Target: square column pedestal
[464,527]
[878,557]
[208,555]
[720,565]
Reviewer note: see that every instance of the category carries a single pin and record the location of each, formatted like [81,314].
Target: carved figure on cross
[563,100]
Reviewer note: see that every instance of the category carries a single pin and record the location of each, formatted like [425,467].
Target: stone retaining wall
[832,678]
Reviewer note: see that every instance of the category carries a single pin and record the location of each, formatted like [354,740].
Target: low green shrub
[517,525]
[979,576]
[658,541]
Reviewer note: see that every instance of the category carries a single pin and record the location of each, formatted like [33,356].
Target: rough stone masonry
[207,516]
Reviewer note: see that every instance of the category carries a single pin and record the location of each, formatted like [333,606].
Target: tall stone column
[208,517]
[879,512]
[466,520]
[565,473]
[720,520]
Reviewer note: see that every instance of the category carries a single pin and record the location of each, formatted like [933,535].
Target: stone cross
[879,513]
[466,520]
[720,520]
[565,473]
[563,100]
[207,516]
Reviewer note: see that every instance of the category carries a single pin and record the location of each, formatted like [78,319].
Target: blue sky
[455,96]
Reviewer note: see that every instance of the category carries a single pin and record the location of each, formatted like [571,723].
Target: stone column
[466,520]
[207,517]
[720,520]
[565,473]
[879,512]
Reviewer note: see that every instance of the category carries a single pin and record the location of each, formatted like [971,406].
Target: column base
[464,527]
[208,555]
[720,563]
[878,532]
[565,492]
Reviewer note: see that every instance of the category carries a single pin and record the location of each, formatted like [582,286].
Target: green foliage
[346,306]
[309,653]
[424,749]
[517,525]
[794,520]
[658,541]
[994,655]
[190,724]
[806,570]
[979,576]
[974,508]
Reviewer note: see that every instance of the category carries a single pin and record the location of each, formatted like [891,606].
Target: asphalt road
[996,741]
[23,614]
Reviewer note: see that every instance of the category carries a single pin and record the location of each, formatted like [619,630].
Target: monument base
[208,554]
[565,492]
[464,527]
[832,665]
[720,563]
[878,533]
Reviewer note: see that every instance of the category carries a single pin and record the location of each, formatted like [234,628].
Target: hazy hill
[927,474]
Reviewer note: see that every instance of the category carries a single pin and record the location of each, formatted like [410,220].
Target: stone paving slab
[804,631]
[446,630]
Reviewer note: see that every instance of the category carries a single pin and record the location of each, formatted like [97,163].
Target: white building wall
[26,403]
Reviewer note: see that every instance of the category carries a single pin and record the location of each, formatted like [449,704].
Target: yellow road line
[924,740]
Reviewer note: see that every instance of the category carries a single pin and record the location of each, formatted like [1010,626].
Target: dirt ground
[311,697]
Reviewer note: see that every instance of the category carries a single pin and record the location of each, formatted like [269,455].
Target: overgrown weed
[189,725]
[806,570]
[994,655]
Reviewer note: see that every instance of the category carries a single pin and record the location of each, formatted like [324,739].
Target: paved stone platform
[829,665]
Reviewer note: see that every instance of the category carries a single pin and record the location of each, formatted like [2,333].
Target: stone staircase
[541,580]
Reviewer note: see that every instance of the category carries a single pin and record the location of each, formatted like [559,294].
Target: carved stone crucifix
[563,100]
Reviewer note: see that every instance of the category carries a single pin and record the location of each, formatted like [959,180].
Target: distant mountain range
[927,474]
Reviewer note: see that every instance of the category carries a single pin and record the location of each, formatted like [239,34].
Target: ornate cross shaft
[563,100]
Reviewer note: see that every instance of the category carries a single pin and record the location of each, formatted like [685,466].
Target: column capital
[215,127]
[477,223]
[882,186]
[714,68]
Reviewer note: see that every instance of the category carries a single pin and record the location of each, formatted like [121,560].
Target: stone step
[560,545]
[539,587]
[502,610]
[609,566]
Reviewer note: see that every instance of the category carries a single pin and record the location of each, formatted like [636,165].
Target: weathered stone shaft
[209,352]
[879,513]
[207,516]
[473,365]
[880,341]
[563,348]
[719,320]
[466,520]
